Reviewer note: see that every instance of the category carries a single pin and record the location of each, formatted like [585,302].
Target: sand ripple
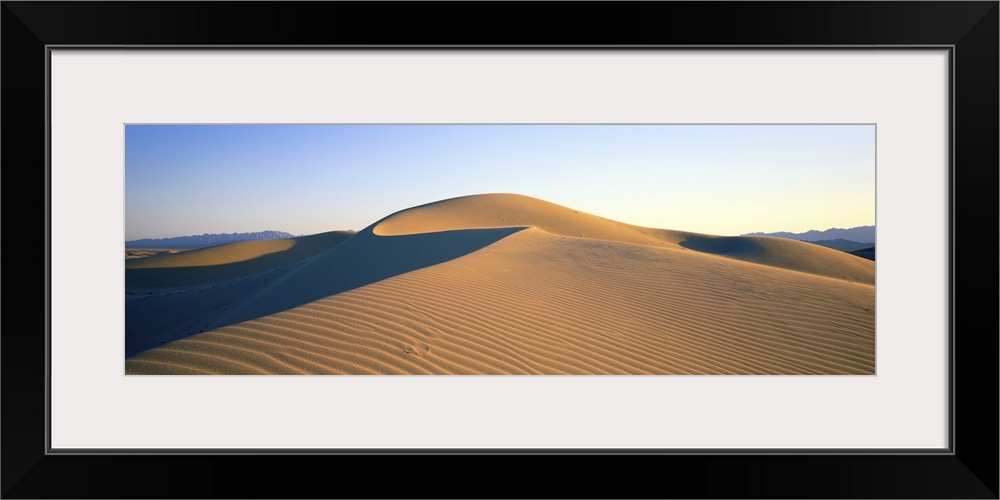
[542,303]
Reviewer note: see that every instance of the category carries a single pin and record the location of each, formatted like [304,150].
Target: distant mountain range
[859,240]
[864,234]
[206,240]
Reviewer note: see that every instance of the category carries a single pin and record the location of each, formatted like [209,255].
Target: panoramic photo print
[499,249]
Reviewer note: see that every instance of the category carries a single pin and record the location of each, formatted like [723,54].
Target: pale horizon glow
[185,180]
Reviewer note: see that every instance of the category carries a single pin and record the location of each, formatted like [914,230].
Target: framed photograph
[618,253]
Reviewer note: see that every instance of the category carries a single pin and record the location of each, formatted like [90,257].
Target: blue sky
[306,179]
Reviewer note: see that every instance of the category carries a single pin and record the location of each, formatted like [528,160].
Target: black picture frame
[968,470]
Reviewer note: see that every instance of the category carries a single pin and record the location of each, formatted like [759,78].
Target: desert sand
[502,284]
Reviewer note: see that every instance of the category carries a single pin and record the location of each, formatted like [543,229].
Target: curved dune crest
[504,210]
[241,251]
[226,262]
[500,210]
[227,253]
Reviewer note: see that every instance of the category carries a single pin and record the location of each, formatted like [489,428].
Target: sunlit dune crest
[242,251]
[226,262]
[503,284]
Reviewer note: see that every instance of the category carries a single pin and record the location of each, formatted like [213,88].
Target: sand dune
[226,262]
[507,210]
[506,284]
[786,254]
[499,210]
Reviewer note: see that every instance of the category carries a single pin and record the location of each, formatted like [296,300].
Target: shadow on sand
[153,318]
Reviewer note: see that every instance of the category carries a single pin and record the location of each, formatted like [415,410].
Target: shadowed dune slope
[172,303]
[173,296]
[362,260]
[538,303]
